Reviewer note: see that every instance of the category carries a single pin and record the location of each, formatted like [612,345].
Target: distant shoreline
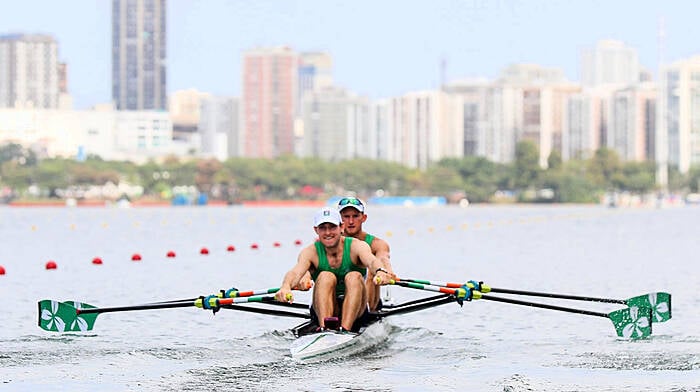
[162,203]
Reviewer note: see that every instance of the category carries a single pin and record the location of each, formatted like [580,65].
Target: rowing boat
[632,322]
[311,345]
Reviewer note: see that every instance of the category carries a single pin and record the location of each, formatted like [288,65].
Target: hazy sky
[380,48]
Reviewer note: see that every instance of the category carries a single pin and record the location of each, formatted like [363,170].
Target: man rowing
[338,266]
[353,214]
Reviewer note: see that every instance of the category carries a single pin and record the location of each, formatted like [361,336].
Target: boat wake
[634,360]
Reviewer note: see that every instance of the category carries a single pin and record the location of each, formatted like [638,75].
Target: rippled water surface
[492,346]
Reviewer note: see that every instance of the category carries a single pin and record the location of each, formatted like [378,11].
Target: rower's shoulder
[357,243]
[379,244]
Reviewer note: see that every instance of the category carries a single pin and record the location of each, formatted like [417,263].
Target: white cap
[327,215]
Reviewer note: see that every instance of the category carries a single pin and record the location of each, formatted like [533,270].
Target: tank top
[346,265]
[369,238]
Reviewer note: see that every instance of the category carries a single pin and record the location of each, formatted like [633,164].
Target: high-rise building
[631,122]
[678,118]
[427,126]
[336,125]
[184,107]
[268,102]
[29,71]
[534,99]
[582,125]
[477,98]
[139,71]
[218,127]
[315,72]
[609,63]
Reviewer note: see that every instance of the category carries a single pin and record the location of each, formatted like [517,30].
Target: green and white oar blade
[632,323]
[659,303]
[83,321]
[57,316]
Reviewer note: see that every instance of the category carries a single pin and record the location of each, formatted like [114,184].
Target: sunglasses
[350,201]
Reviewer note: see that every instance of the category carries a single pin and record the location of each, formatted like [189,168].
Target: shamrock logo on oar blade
[632,323]
[50,318]
[83,321]
[659,303]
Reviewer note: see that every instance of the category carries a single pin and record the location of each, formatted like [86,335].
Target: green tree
[527,167]
[554,161]
[693,179]
[481,178]
[570,185]
[637,177]
[443,180]
[604,168]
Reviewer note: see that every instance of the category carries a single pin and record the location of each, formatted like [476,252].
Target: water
[491,346]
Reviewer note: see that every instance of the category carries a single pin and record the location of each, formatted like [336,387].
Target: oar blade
[659,303]
[57,316]
[83,321]
[632,323]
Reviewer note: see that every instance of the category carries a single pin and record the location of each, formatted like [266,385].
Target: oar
[230,293]
[76,316]
[631,323]
[658,302]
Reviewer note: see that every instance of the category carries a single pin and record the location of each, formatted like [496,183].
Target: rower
[338,265]
[353,213]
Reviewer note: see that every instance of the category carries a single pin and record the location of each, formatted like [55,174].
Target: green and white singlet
[346,265]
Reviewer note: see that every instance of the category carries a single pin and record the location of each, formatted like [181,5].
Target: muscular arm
[294,275]
[369,260]
[380,248]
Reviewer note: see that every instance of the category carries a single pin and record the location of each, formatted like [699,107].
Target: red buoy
[204,251]
[136,257]
[51,265]
[297,242]
[276,244]
[253,246]
[231,248]
[170,254]
[2,270]
[97,261]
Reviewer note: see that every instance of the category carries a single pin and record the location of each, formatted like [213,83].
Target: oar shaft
[488,289]
[253,292]
[446,290]
[416,305]
[274,312]
[410,303]
[544,306]
[239,300]
[136,307]
[427,287]
[558,296]
[181,304]
[231,294]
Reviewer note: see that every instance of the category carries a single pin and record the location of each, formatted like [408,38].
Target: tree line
[289,177]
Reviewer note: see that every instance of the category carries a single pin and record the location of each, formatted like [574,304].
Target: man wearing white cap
[352,212]
[338,266]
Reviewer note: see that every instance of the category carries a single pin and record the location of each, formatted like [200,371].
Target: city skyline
[377,52]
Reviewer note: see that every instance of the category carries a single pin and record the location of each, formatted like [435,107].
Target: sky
[380,48]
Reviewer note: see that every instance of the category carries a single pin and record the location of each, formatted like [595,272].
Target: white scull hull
[333,344]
